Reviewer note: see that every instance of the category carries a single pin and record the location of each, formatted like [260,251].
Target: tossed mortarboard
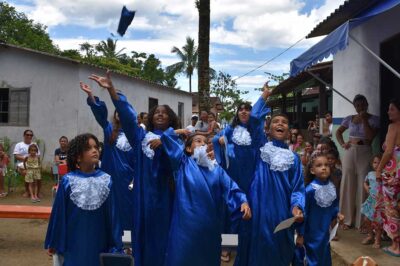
[125,20]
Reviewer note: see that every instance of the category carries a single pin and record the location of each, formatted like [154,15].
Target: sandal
[389,252]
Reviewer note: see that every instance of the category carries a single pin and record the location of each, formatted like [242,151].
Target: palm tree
[203,69]
[188,57]
[108,48]
[87,48]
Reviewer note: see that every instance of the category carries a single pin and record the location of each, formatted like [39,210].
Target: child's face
[33,151]
[331,160]
[197,141]
[91,155]
[299,139]
[322,148]
[161,118]
[244,114]
[375,163]
[63,143]
[320,168]
[210,118]
[279,128]
[309,147]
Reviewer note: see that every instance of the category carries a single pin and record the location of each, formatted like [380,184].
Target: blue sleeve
[335,210]
[114,229]
[56,235]
[99,110]
[257,120]
[172,147]
[308,198]
[297,182]
[233,196]
[218,149]
[128,117]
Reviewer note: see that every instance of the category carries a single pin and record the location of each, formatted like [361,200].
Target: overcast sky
[244,34]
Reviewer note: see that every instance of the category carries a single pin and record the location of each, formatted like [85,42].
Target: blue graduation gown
[81,235]
[118,163]
[316,228]
[153,192]
[195,236]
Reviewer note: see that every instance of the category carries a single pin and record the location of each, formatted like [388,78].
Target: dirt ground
[22,240]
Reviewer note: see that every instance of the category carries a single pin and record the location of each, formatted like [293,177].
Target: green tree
[188,57]
[17,29]
[108,48]
[152,70]
[88,49]
[72,53]
[203,69]
[226,89]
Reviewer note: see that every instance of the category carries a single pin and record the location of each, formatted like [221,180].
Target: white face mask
[201,157]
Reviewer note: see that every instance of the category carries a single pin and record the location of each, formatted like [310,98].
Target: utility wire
[270,60]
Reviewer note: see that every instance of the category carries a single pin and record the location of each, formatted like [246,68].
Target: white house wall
[355,71]
[58,106]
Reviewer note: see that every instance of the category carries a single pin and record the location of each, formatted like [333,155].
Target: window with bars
[14,107]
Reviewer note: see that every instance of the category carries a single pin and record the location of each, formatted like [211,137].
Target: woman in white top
[363,128]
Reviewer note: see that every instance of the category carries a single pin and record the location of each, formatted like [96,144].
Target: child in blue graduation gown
[153,188]
[239,151]
[117,159]
[201,187]
[320,212]
[276,194]
[83,221]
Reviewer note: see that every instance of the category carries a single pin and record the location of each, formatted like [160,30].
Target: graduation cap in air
[125,20]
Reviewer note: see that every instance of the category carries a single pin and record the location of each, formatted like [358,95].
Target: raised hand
[266,91]
[245,209]
[104,82]
[86,88]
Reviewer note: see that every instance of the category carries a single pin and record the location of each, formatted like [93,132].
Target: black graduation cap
[125,20]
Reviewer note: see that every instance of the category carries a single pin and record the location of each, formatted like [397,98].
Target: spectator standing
[363,128]
[3,170]
[202,124]
[387,173]
[328,125]
[60,154]
[20,152]
[192,126]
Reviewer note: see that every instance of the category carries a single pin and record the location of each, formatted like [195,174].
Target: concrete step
[349,248]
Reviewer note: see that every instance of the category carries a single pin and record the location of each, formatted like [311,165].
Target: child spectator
[299,146]
[83,221]
[201,189]
[32,166]
[60,154]
[372,219]
[321,210]
[336,172]
[4,160]
[308,150]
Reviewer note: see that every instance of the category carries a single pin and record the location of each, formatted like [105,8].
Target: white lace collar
[241,136]
[324,194]
[145,144]
[123,143]
[89,193]
[278,158]
[201,158]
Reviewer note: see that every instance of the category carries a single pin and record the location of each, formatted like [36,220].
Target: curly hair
[77,147]
[308,176]
[172,117]
[242,105]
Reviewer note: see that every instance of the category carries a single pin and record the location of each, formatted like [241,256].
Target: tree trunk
[203,68]
[190,83]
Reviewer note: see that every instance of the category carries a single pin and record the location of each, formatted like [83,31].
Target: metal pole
[376,57]
[328,86]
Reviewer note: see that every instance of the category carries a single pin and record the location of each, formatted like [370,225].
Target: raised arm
[172,147]
[127,114]
[257,116]
[99,108]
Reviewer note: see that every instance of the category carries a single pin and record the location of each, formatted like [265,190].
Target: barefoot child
[33,175]
[83,221]
[4,160]
[320,212]
[201,187]
[371,218]
[276,194]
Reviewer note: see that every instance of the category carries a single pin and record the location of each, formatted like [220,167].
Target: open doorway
[389,83]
